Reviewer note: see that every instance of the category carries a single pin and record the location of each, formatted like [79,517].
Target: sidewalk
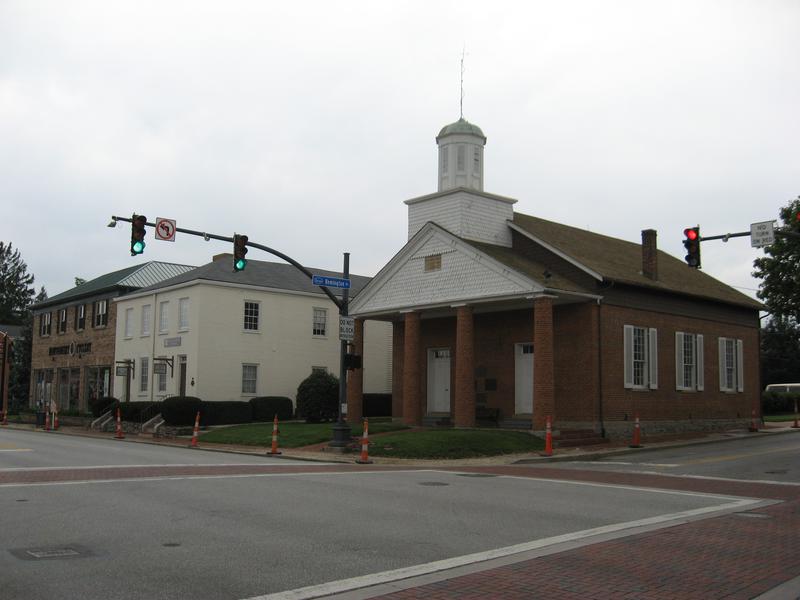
[322,453]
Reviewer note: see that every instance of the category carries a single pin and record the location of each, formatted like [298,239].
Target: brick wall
[583,366]
[102,347]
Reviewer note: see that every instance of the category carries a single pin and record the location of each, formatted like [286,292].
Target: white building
[226,335]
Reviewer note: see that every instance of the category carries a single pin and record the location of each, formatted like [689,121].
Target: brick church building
[505,317]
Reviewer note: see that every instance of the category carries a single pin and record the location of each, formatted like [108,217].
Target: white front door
[439,380]
[523,379]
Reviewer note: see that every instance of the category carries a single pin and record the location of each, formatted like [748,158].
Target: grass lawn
[453,443]
[292,435]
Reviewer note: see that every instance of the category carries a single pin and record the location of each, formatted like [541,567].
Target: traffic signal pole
[212,236]
[341,430]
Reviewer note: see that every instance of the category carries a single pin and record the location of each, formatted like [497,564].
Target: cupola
[461,156]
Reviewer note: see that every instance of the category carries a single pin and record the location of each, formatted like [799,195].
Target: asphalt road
[234,536]
[759,457]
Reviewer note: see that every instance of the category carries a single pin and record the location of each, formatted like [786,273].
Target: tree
[16,286]
[780,352]
[780,268]
[20,379]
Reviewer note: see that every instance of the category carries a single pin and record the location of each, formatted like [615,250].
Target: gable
[465,273]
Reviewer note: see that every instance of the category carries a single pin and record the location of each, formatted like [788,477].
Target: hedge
[266,407]
[180,410]
[132,411]
[318,398]
[100,406]
[226,412]
[778,403]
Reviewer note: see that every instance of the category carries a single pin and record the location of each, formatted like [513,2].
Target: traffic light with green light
[138,232]
[692,245]
[239,252]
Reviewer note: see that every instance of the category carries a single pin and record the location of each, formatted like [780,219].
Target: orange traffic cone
[637,439]
[548,439]
[364,458]
[193,444]
[275,432]
[55,420]
[119,435]
[753,425]
[795,426]
[47,421]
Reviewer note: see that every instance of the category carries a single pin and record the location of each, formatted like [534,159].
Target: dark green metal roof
[461,126]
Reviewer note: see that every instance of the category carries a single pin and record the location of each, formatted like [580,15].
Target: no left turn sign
[165,229]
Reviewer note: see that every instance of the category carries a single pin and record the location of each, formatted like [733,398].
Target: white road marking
[15,450]
[354,583]
[78,467]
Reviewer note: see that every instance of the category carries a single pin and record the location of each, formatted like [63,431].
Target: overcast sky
[306,124]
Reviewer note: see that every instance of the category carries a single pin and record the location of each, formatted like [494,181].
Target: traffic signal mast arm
[212,236]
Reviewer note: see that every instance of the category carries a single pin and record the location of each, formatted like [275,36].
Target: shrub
[132,411]
[100,406]
[318,398]
[377,405]
[226,412]
[266,407]
[777,403]
[180,410]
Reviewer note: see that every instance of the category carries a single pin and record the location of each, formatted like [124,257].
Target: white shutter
[739,366]
[721,348]
[701,379]
[652,359]
[628,355]
[679,361]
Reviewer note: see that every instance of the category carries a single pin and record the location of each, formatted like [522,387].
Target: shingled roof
[621,261]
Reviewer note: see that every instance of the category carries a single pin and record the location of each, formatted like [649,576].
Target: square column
[543,362]
[465,368]
[412,411]
[355,378]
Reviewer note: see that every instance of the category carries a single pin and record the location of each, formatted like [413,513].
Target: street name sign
[347,328]
[762,234]
[334,282]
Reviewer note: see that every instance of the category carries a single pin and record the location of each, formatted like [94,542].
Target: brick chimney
[649,254]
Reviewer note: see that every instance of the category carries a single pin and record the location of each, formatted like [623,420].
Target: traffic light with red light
[692,245]
[138,232]
[239,252]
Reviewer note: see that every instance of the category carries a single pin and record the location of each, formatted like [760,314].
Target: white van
[785,388]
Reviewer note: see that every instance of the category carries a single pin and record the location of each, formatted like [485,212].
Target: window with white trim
[144,373]
[640,357]
[147,312]
[731,373]
[163,316]
[62,320]
[443,152]
[689,371]
[44,324]
[251,316]
[128,322]
[183,313]
[101,313]
[320,323]
[249,379]
[162,382]
[461,158]
[80,317]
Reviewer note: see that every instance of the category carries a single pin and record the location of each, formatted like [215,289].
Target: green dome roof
[461,126]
